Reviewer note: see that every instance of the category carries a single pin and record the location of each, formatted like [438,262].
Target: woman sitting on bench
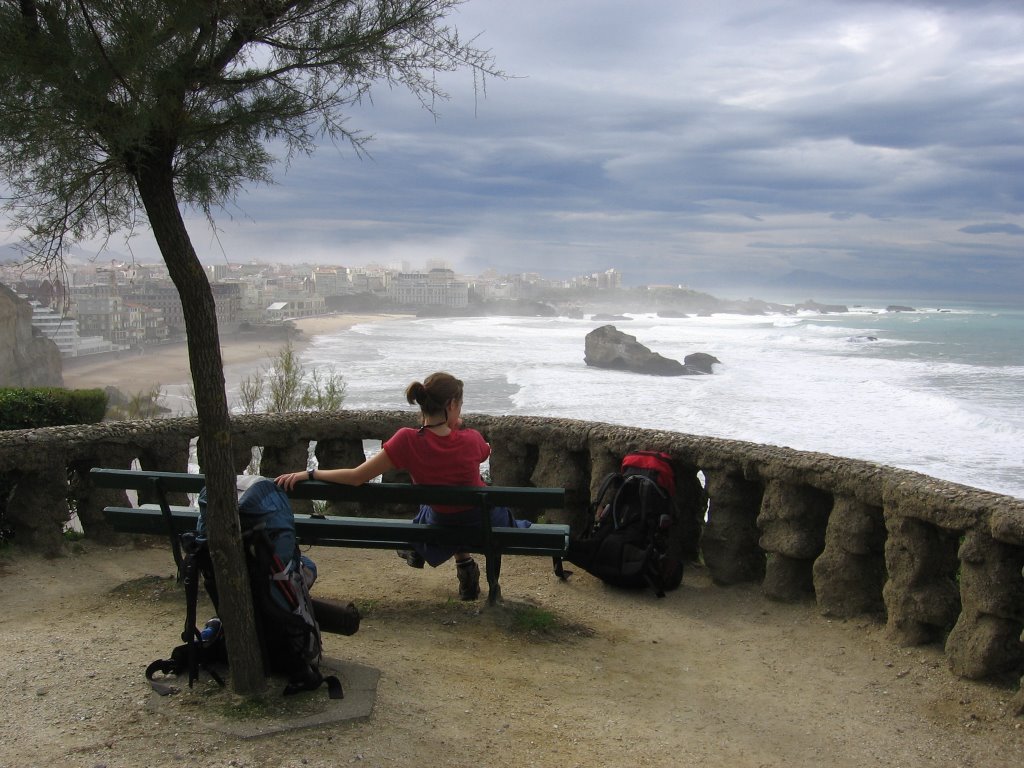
[440,452]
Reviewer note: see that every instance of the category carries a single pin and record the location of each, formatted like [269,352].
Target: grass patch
[150,589]
[269,706]
[367,606]
[530,618]
[522,620]
[533,622]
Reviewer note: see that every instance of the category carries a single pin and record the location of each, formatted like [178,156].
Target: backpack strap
[612,478]
[183,657]
[190,580]
[646,486]
[643,483]
[191,656]
[313,679]
[654,579]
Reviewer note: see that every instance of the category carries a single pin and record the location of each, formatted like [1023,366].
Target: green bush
[50,407]
[288,386]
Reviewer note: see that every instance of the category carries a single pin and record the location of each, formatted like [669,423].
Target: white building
[64,333]
[438,287]
[331,282]
[294,308]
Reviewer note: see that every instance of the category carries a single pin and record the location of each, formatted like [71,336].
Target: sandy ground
[168,366]
[708,676]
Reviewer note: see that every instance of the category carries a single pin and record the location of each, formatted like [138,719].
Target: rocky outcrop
[608,347]
[26,359]
[701,362]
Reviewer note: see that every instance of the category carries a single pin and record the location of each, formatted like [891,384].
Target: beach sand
[163,367]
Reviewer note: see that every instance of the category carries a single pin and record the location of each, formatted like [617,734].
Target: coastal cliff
[26,358]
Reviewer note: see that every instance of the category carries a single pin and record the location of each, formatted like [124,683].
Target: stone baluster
[691,510]
[335,453]
[164,454]
[602,463]
[850,572]
[987,637]
[281,457]
[558,467]
[792,520]
[512,459]
[37,506]
[729,543]
[89,501]
[921,597]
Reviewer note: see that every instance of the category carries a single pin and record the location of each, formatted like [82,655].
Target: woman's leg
[469,576]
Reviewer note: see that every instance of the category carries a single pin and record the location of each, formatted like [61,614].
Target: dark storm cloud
[870,140]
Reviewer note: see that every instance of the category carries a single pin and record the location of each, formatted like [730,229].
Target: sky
[742,147]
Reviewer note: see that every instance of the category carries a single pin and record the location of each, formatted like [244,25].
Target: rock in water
[701,362]
[608,347]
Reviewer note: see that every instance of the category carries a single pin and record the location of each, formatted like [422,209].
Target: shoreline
[163,367]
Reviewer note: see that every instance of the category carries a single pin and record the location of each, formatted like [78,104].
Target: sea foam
[902,394]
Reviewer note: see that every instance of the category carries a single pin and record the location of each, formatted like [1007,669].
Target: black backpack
[280,576]
[629,542]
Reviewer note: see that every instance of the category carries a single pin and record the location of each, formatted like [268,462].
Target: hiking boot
[412,557]
[469,579]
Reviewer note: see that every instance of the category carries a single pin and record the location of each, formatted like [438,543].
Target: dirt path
[706,677]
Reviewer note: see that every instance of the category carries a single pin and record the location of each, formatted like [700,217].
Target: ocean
[938,390]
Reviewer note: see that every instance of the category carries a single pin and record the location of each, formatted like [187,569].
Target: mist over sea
[938,390]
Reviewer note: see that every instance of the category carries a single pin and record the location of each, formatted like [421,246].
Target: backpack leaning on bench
[280,577]
[630,541]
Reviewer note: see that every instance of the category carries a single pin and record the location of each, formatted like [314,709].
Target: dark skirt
[434,554]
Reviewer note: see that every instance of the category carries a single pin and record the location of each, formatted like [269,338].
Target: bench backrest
[378,493]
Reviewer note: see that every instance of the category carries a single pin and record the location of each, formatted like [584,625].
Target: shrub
[50,407]
[287,386]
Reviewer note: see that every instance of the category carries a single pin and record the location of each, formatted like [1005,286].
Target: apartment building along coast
[436,288]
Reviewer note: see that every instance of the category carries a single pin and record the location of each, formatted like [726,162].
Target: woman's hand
[289,480]
[364,473]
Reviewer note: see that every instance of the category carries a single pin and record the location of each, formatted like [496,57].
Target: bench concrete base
[305,710]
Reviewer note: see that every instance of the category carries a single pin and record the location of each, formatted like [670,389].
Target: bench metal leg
[493,557]
[493,569]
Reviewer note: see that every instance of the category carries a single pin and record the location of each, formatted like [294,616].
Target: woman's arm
[364,473]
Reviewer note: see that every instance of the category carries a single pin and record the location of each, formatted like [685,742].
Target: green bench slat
[539,539]
[135,480]
[399,493]
[377,493]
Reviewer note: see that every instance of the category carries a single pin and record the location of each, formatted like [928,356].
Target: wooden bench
[549,540]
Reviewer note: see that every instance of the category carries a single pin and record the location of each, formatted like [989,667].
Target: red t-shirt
[453,459]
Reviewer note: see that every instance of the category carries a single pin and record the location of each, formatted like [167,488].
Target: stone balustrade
[939,562]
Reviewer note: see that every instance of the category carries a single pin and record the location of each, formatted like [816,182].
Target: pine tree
[116,113]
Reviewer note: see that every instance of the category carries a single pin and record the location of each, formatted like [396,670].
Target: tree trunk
[156,189]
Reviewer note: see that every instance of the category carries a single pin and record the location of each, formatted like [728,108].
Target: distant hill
[800,284]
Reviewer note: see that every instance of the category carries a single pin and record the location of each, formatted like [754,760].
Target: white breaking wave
[830,383]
